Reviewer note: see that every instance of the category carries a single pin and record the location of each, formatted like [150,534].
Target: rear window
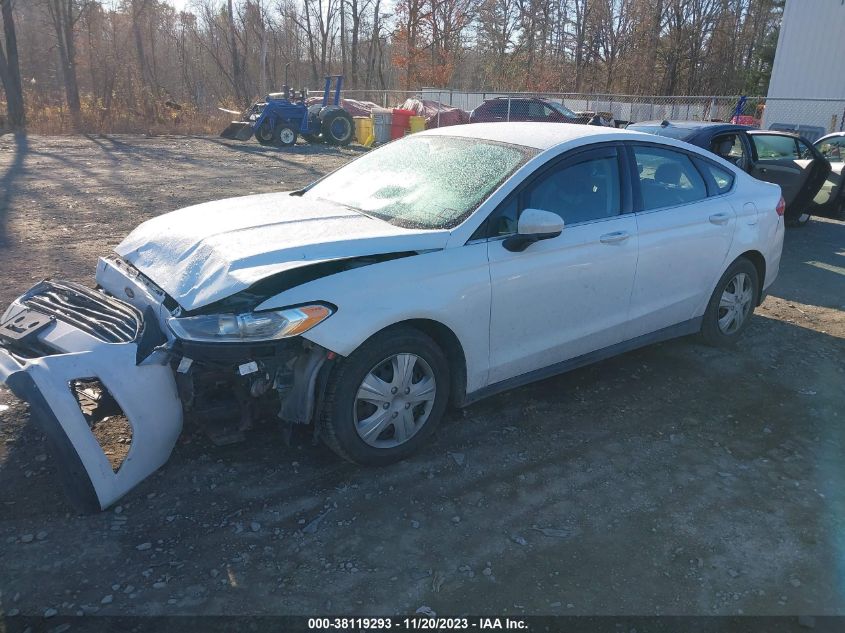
[678,133]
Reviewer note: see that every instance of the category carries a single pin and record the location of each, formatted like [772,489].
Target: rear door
[685,226]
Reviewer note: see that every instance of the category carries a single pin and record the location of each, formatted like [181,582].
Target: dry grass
[55,118]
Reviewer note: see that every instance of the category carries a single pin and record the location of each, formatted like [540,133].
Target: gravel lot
[678,479]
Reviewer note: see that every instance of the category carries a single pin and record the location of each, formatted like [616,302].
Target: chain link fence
[811,118]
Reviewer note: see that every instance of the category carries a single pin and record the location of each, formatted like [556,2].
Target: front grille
[93,312]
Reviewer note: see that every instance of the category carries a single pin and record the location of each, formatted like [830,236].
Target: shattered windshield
[428,182]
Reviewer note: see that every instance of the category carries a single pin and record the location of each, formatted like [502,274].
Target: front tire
[265,134]
[284,135]
[731,304]
[385,400]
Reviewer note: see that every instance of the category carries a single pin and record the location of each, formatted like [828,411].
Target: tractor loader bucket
[238,130]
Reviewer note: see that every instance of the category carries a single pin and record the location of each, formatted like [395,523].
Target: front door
[566,296]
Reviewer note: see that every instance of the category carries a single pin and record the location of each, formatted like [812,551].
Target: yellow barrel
[363,129]
[417,123]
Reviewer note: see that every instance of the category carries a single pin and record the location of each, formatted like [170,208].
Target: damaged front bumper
[60,333]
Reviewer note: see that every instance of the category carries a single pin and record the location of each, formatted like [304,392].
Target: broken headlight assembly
[249,327]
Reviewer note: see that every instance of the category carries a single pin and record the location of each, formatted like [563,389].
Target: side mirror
[534,225]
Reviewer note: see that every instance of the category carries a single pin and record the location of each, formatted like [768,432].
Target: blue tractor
[283,116]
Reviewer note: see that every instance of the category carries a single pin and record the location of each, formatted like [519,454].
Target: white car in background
[442,268]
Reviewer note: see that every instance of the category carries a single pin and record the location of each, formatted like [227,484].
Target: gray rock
[107,599]
[456,519]
[487,571]
[554,532]
[50,613]
[516,538]
[27,538]
[41,535]
[159,585]
[255,526]
[794,582]
[459,458]
[415,524]
[311,528]
[143,547]
[426,611]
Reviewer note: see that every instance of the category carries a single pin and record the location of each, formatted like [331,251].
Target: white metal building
[807,87]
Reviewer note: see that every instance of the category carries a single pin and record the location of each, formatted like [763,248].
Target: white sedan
[442,268]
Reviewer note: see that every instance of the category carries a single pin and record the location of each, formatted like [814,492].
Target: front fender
[450,286]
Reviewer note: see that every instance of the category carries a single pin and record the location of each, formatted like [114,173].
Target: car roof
[694,125]
[535,134]
[518,98]
[827,136]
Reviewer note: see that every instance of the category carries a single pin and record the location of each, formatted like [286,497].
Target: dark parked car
[783,158]
[524,109]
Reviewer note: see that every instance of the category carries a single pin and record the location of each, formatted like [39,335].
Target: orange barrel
[401,122]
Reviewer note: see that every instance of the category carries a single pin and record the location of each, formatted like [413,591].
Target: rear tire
[386,398]
[338,127]
[731,305]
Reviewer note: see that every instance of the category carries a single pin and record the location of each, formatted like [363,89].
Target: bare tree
[10,71]
[65,14]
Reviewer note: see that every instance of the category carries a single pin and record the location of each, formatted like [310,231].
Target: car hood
[205,253]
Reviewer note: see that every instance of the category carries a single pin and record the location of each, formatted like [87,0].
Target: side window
[833,149]
[667,178]
[774,147]
[804,150]
[519,108]
[722,177]
[497,108]
[535,110]
[503,220]
[729,147]
[585,191]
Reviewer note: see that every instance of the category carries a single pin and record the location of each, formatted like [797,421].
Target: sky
[179,4]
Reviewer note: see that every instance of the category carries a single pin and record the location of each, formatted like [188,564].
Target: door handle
[614,238]
[719,218]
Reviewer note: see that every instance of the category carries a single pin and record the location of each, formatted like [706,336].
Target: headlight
[250,326]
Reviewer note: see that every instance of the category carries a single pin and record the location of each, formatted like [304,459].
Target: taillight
[781,206]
